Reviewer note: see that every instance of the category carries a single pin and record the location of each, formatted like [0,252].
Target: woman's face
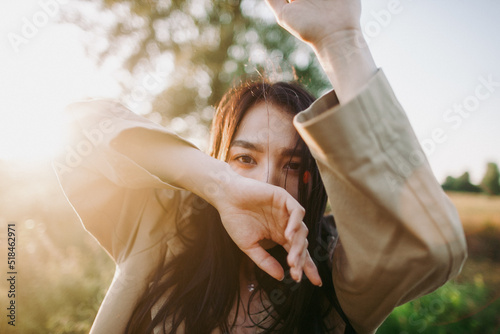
[263,148]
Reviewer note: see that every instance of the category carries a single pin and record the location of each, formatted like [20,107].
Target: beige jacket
[400,235]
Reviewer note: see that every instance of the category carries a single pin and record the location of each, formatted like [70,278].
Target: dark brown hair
[203,281]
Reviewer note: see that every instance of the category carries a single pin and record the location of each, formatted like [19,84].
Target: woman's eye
[292,166]
[245,159]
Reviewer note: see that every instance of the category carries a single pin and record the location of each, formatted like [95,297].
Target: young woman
[219,243]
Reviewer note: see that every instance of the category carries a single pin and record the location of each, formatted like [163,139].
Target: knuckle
[304,228]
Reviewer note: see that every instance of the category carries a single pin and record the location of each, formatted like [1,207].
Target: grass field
[471,302]
[63,274]
[477,211]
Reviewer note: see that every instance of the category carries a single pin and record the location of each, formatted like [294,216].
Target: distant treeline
[490,183]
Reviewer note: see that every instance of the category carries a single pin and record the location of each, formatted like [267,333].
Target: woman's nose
[271,175]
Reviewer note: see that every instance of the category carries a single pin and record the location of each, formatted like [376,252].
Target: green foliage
[449,183]
[490,183]
[198,48]
[462,183]
[454,308]
[491,180]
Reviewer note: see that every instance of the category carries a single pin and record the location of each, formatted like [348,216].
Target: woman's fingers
[293,228]
[297,214]
[303,263]
[298,257]
[311,271]
[266,262]
[300,260]
[270,214]
[296,234]
[299,245]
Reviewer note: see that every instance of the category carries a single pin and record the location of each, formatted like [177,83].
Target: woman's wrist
[346,60]
[214,182]
[341,44]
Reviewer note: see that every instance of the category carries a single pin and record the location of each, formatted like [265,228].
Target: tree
[198,46]
[449,183]
[491,180]
[462,183]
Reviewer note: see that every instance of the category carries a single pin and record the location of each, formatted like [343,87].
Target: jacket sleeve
[127,209]
[400,236]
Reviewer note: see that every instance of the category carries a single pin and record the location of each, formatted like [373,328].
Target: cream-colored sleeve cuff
[373,118]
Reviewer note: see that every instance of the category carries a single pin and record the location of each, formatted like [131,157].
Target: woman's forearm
[347,61]
[251,211]
[173,162]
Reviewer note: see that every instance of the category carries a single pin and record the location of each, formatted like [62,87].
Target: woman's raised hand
[333,29]
[316,21]
[255,212]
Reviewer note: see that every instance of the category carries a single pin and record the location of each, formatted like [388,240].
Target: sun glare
[39,80]
[29,136]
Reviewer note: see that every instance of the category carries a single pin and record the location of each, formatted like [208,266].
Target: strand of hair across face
[268,131]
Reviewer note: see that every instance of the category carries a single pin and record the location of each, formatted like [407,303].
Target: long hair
[202,283]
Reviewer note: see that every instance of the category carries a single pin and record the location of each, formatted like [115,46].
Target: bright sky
[441,57]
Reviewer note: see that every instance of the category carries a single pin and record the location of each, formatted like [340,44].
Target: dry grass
[477,211]
[480,215]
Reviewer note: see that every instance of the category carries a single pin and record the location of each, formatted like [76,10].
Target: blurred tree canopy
[462,183]
[491,180]
[490,184]
[196,49]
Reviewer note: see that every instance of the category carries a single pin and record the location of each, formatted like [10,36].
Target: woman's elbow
[444,261]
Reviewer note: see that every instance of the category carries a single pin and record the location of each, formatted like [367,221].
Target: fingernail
[300,277]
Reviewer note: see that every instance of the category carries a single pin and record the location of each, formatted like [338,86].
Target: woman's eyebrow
[247,145]
[291,152]
[285,152]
